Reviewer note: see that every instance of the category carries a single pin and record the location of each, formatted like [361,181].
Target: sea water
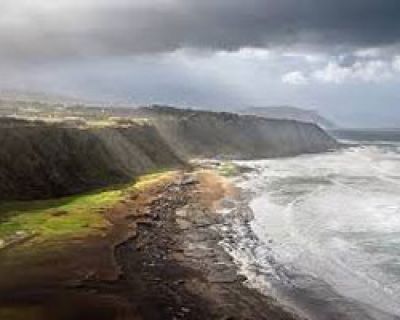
[325,235]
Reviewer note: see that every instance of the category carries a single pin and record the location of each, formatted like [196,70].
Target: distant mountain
[290,113]
[18,96]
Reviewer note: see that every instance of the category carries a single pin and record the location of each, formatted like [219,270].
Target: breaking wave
[325,231]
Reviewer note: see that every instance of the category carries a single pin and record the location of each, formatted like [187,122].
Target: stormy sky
[340,57]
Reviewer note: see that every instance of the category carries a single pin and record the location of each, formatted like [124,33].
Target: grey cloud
[122,27]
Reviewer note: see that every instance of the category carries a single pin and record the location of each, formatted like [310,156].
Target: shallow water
[326,231]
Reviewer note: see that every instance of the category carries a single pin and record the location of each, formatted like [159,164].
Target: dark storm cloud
[122,27]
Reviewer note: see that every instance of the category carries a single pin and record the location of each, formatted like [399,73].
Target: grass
[77,215]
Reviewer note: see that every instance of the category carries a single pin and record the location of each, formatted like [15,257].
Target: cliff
[39,160]
[44,160]
[290,113]
[227,135]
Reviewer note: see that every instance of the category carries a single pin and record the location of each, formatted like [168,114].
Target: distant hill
[206,134]
[290,113]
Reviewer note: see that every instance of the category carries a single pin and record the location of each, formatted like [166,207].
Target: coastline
[191,276]
[161,259]
[304,293]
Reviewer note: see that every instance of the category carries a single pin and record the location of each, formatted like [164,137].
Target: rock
[179,282]
[190,180]
[228,276]
[198,236]
[174,188]
[21,234]
[220,267]
[146,223]
[245,213]
[157,279]
[134,196]
[183,224]
[185,310]
[228,203]
[181,213]
[202,222]
[228,318]
[2,243]
[241,278]
[74,284]
[90,275]
[200,253]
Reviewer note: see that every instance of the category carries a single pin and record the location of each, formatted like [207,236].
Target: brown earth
[159,259]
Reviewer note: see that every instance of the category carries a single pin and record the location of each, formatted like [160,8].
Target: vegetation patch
[77,215]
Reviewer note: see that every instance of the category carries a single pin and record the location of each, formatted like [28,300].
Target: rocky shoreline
[161,259]
[186,273]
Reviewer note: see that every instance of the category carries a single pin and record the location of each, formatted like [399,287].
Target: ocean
[324,235]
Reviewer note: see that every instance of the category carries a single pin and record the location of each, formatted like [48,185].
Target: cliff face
[39,160]
[42,161]
[209,134]
[290,113]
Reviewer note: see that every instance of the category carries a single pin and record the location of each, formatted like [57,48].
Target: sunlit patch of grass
[60,217]
[76,215]
[150,179]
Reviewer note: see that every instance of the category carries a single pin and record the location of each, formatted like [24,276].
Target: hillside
[209,134]
[290,113]
[86,252]
[39,160]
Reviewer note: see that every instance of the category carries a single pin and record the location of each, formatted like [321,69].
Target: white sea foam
[335,217]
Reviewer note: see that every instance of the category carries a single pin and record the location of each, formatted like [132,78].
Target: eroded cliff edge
[203,134]
[41,160]
[44,160]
